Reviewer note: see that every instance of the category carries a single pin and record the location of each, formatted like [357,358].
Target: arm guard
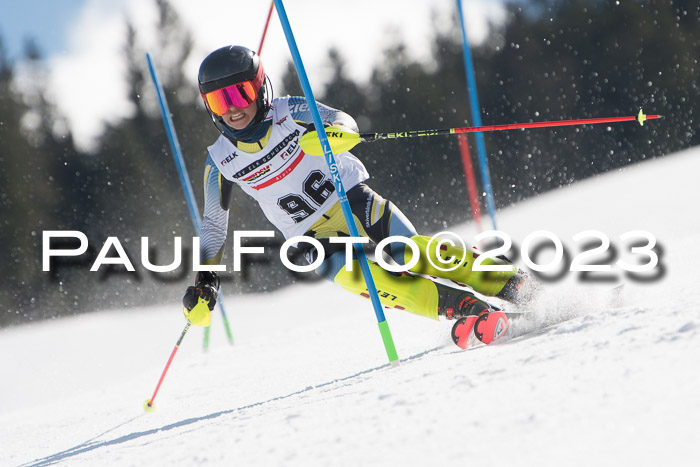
[217,198]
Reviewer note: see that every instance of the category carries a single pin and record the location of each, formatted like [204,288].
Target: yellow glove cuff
[199,315]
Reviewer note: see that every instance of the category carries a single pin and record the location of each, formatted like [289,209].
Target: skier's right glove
[200,299]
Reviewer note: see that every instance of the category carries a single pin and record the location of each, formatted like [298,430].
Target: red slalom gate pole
[267,23]
[471,180]
[148,405]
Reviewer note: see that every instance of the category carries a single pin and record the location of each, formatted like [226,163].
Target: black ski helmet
[231,65]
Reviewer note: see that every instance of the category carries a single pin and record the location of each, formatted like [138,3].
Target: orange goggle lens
[239,95]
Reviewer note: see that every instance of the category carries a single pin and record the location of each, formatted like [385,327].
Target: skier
[259,150]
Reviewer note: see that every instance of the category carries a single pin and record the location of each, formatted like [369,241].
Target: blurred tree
[13,149]
[41,185]
[575,59]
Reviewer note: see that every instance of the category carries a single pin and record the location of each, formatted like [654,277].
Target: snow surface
[307,381]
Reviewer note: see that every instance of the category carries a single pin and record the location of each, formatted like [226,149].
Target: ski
[486,328]
[495,326]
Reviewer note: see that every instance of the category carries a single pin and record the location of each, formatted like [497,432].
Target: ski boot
[471,314]
[520,289]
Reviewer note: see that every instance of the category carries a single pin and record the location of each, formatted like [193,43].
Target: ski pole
[148,405]
[511,126]
[342,139]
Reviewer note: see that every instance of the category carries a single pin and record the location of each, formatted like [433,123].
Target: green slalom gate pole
[185,181]
[340,189]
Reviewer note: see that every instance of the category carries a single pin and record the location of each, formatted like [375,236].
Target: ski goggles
[239,95]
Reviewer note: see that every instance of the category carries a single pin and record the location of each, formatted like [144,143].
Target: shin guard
[402,291]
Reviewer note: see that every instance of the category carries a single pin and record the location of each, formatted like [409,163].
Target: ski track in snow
[308,382]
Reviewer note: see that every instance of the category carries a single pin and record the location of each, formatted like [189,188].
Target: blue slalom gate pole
[184,179]
[340,189]
[476,118]
[175,147]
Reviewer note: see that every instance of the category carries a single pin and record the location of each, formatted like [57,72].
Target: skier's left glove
[310,126]
[200,299]
[340,138]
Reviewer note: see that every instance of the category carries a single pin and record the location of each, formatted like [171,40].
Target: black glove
[312,127]
[206,286]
